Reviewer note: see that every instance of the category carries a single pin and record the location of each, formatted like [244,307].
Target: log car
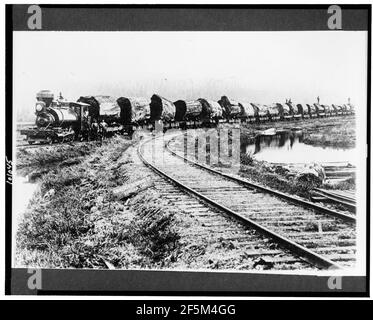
[188,113]
[105,108]
[231,109]
[338,109]
[312,110]
[294,110]
[248,112]
[262,112]
[320,110]
[328,110]
[303,110]
[162,110]
[274,112]
[212,112]
[134,113]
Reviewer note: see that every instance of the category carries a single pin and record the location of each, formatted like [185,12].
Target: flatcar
[212,112]
[231,109]
[188,113]
[104,109]
[248,112]
[134,113]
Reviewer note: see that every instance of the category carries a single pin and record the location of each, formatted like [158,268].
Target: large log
[285,109]
[210,109]
[312,110]
[336,108]
[187,110]
[231,108]
[274,110]
[292,107]
[128,190]
[247,110]
[301,110]
[180,109]
[262,110]
[161,109]
[327,108]
[319,108]
[134,110]
[101,106]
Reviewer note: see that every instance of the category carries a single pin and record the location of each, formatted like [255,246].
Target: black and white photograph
[203,151]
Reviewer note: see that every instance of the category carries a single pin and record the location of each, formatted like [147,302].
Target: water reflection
[288,147]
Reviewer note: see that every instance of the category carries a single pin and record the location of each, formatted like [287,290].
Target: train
[61,120]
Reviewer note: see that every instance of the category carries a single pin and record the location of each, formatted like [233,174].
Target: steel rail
[279,194]
[310,256]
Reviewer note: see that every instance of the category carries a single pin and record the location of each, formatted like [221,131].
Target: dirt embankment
[75,220]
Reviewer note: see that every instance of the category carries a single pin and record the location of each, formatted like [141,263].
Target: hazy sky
[259,67]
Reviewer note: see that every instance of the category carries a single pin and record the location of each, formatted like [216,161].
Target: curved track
[324,240]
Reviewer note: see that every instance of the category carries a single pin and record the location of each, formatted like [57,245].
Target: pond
[288,147]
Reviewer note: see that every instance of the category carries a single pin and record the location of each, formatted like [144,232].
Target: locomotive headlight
[39,107]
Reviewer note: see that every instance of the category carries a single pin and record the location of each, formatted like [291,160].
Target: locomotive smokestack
[46,96]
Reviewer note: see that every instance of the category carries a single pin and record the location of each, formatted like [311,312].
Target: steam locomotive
[59,120]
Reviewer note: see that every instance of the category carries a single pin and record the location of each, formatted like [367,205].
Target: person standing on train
[94,129]
[103,126]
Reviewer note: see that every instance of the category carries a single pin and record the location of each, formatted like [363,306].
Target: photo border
[16,278]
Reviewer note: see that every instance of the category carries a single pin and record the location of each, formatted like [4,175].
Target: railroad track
[213,240]
[324,238]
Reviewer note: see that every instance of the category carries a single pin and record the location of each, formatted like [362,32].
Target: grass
[276,177]
[39,161]
[332,132]
[82,225]
[335,134]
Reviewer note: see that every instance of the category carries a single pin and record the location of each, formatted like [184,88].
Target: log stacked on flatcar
[303,111]
[161,109]
[327,109]
[340,107]
[231,108]
[212,111]
[320,110]
[350,108]
[261,113]
[188,110]
[180,110]
[312,110]
[102,106]
[134,110]
[248,112]
[294,110]
[345,108]
[283,110]
[288,113]
[274,112]
[337,109]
